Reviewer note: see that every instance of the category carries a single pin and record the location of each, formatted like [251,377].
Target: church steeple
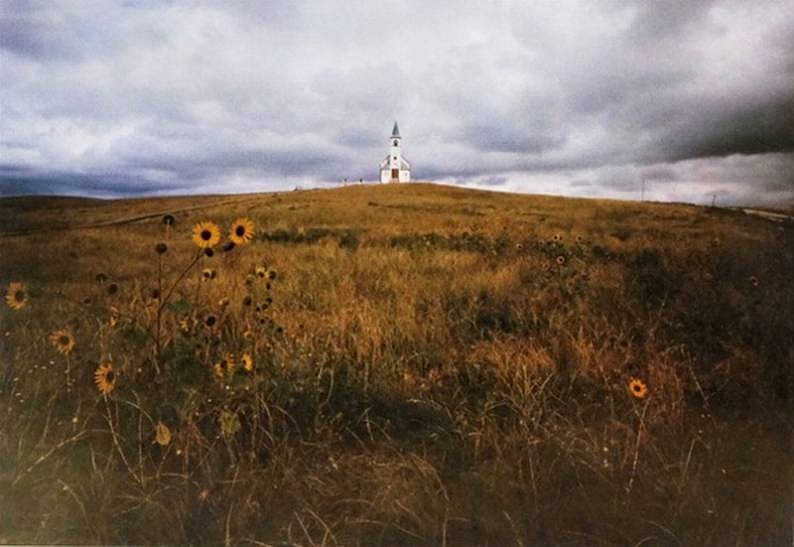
[395,168]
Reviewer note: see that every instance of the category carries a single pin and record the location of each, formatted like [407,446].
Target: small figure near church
[395,168]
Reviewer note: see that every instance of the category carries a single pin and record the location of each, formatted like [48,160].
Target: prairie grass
[431,365]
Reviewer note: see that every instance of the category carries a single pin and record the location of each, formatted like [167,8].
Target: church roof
[396,131]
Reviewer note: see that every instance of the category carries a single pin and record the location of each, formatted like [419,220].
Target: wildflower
[242,231]
[224,367]
[206,234]
[261,272]
[16,296]
[249,279]
[62,340]
[204,496]
[208,252]
[113,320]
[271,274]
[248,362]
[579,239]
[519,246]
[105,378]
[162,435]
[560,260]
[160,248]
[223,302]
[208,274]
[556,238]
[210,320]
[754,281]
[638,388]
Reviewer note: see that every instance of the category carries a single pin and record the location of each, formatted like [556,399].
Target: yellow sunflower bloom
[248,362]
[638,388]
[62,340]
[224,367]
[206,234]
[16,296]
[105,378]
[242,231]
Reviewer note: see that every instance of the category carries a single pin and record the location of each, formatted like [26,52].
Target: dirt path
[125,220]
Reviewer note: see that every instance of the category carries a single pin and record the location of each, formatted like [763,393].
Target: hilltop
[396,364]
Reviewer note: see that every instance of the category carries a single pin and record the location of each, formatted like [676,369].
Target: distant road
[769,215]
[125,220]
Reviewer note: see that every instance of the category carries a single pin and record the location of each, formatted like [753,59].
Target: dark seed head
[247,301]
[168,220]
[240,231]
[206,235]
[210,320]
[101,278]
[209,252]
[155,294]
[160,248]
[110,376]
[19,296]
[87,301]
[113,288]
[228,246]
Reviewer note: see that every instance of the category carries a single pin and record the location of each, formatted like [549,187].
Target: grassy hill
[428,365]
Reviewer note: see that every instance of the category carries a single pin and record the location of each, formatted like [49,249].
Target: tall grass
[430,366]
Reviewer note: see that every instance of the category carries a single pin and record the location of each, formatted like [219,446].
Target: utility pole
[643,190]
[714,200]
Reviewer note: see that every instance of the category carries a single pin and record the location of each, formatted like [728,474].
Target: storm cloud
[575,98]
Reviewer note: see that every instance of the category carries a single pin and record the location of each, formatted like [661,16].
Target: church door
[395,174]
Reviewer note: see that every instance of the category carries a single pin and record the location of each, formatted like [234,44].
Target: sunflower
[62,340]
[560,260]
[210,320]
[105,378]
[206,234]
[242,231]
[208,274]
[638,388]
[261,272]
[248,362]
[16,296]
[224,367]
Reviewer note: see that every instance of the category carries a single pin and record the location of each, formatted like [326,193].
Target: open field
[429,365]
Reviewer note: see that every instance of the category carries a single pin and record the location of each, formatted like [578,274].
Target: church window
[394,158]
[396,143]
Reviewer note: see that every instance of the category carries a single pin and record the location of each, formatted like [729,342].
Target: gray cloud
[117,98]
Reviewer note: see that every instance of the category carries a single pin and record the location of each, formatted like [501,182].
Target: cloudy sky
[575,98]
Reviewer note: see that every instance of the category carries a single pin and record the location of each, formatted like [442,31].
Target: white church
[394,167]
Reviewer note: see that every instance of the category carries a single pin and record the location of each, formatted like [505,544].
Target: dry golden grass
[429,365]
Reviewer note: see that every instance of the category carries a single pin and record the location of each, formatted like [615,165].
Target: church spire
[396,131]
